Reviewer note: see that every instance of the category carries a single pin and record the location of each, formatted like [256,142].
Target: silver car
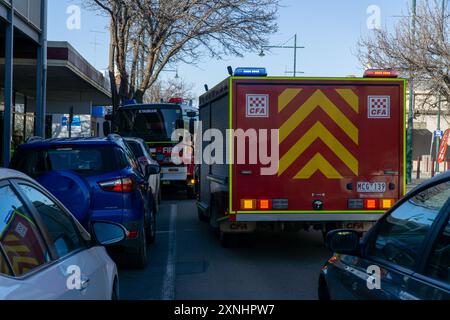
[45,254]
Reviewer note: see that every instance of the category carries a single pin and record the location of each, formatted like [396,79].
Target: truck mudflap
[365,217]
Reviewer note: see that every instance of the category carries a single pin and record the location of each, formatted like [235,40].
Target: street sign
[438,134]
[443,147]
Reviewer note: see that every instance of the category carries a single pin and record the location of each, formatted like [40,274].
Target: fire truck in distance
[341,145]
[155,123]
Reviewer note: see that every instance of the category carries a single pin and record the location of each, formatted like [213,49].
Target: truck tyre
[202,216]
[227,240]
[190,192]
[139,260]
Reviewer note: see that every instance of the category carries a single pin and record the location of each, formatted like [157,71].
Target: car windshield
[85,160]
[150,124]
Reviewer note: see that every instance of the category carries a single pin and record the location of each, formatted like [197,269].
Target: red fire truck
[341,152]
[155,123]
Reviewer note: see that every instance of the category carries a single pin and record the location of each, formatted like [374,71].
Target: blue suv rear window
[84,160]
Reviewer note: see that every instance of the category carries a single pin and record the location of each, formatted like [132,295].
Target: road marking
[168,289]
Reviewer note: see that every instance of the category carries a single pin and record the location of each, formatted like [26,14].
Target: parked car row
[112,188]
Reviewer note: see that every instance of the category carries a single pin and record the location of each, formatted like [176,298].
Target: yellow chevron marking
[17,249]
[318,163]
[16,261]
[350,97]
[318,131]
[286,97]
[11,238]
[319,99]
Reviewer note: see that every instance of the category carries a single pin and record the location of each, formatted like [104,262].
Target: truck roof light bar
[250,72]
[381,73]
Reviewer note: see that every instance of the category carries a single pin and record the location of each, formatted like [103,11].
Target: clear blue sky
[329,30]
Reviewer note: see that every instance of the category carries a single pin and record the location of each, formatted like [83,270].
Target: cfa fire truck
[340,144]
[155,123]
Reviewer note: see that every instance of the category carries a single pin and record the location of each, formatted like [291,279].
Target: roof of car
[39,143]
[10,174]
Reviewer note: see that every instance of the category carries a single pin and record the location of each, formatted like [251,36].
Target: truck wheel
[190,193]
[226,239]
[139,260]
[202,216]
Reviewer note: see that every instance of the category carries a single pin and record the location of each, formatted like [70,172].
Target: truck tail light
[265,204]
[125,185]
[370,204]
[248,204]
[386,203]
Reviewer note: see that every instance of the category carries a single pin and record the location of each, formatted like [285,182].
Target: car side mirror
[152,169]
[108,233]
[344,242]
[106,128]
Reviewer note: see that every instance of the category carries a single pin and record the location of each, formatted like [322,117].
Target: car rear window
[84,160]
[136,148]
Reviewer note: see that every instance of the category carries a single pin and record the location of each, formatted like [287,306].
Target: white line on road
[168,289]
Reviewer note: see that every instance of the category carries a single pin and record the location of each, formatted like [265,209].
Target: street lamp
[295,47]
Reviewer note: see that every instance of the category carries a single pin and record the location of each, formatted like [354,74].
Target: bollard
[418,168]
[432,167]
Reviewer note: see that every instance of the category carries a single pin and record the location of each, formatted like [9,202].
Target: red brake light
[176,100]
[378,73]
[118,185]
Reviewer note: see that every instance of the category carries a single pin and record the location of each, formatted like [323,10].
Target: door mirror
[344,242]
[152,169]
[106,128]
[108,233]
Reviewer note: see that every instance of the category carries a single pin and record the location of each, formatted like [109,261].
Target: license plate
[166,183]
[371,187]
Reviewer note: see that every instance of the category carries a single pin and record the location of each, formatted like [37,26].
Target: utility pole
[438,138]
[411,104]
[295,47]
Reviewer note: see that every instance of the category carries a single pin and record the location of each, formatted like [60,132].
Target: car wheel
[139,260]
[151,229]
[323,293]
[115,291]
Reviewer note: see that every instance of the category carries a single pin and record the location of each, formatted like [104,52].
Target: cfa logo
[374,279]
[74,278]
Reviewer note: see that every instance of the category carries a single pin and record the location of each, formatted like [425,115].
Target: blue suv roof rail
[113,137]
[35,139]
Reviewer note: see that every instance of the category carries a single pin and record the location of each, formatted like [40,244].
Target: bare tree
[172,88]
[423,55]
[147,35]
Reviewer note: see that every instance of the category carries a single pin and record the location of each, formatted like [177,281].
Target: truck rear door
[341,145]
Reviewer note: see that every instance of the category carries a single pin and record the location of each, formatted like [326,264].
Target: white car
[142,154]
[45,254]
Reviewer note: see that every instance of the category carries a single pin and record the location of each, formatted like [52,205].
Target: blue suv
[97,179]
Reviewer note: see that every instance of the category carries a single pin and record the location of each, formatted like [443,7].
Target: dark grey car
[406,255]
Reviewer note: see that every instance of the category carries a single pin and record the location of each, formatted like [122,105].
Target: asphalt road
[188,263]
